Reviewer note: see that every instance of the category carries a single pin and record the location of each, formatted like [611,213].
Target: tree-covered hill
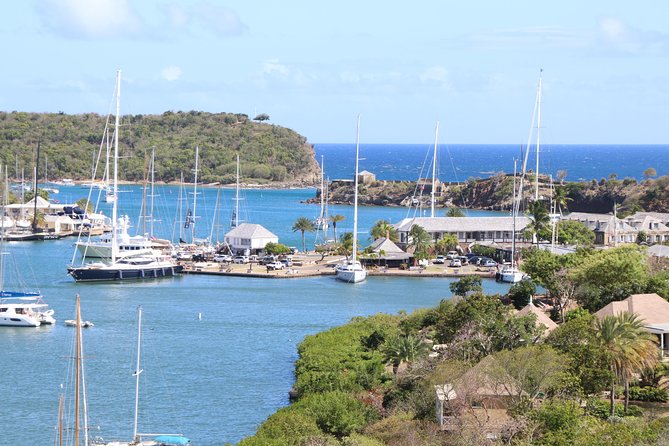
[69,145]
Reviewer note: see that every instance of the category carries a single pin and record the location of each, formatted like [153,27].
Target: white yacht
[352,270]
[24,310]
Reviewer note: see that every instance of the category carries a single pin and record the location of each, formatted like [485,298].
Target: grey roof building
[249,238]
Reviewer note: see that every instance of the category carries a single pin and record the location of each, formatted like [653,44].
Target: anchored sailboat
[352,270]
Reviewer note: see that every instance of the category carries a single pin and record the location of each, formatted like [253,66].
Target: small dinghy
[73,323]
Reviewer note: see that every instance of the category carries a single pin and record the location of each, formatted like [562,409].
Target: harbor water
[217,352]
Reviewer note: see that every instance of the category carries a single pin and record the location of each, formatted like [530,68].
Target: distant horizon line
[490,144]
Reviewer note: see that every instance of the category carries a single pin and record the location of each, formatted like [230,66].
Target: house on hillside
[652,309]
[366,177]
[249,238]
[542,319]
[477,399]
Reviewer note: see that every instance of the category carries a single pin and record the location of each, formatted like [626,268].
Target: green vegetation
[303,224]
[71,142]
[371,382]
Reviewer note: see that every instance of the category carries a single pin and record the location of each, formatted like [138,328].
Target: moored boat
[18,309]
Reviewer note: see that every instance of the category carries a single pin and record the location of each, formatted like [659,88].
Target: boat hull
[91,274]
[510,276]
[351,273]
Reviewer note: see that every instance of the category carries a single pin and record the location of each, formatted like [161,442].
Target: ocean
[458,162]
[215,377]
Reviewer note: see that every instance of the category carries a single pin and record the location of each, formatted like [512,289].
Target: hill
[69,144]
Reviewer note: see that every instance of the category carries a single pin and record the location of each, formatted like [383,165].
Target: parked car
[451,255]
[267,259]
[439,259]
[455,262]
[287,262]
[241,259]
[475,260]
[424,263]
[464,260]
[275,265]
[222,258]
[488,262]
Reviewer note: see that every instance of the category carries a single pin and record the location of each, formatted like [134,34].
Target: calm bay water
[458,162]
[214,379]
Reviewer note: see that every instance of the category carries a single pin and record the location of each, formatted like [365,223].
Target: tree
[467,285]
[84,204]
[572,232]
[40,192]
[611,274]
[520,293]
[345,245]
[383,228]
[449,242]
[539,221]
[276,248]
[649,173]
[303,224]
[560,198]
[261,117]
[420,240]
[628,348]
[455,212]
[400,349]
[334,219]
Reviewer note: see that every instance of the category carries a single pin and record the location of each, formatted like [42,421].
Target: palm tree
[628,347]
[383,228]
[560,198]
[303,224]
[334,219]
[420,240]
[400,349]
[539,219]
[455,212]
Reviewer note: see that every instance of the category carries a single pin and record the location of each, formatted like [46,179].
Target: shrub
[652,394]
[285,427]
[335,413]
[601,409]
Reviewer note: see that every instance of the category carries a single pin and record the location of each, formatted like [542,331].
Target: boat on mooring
[139,265]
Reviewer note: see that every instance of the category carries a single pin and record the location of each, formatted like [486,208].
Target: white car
[222,258]
[241,259]
[275,265]
[439,259]
[451,255]
[456,262]
[424,263]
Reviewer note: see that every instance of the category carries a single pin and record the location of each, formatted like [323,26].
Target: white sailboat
[140,265]
[140,439]
[352,270]
[511,273]
[19,308]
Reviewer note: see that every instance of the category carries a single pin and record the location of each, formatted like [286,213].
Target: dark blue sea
[458,162]
[216,378]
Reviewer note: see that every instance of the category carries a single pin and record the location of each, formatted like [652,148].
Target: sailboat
[138,439]
[19,308]
[352,270]
[511,273]
[142,265]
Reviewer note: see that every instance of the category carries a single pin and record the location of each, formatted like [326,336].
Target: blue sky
[313,66]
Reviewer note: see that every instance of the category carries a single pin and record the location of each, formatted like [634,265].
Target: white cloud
[613,28]
[272,67]
[93,19]
[171,73]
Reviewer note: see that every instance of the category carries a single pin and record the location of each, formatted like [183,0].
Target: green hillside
[69,145]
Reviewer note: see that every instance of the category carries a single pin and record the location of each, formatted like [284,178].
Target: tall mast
[2,233]
[35,183]
[117,128]
[77,374]
[138,371]
[434,171]
[536,173]
[192,230]
[514,212]
[153,171]
[322,191]
[236,219]
[355,194]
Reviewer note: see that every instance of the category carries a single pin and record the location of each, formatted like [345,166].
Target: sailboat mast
[322,190]
[153,182]
[138,371]
[192,230]
[117,126]
[236,220]
[434,171]
[2,233]
[35,188]
[536,173]
[355,194]
[514,212]
[77,373]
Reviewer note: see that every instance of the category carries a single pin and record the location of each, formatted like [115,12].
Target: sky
[313,66]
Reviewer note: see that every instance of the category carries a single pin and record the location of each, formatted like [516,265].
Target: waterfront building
[249,238]
[468,230]
[384,252]
[611,231]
